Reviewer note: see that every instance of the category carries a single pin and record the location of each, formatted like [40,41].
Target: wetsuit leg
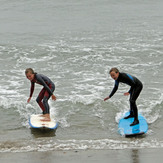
[133,109]
[134,95]
[39,100]
[46,98]
[46,105]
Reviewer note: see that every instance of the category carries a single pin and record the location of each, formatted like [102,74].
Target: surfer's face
[114,75]
[30,76]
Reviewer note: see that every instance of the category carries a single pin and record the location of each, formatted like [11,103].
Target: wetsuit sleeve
[32,88]
[42,82]
[114,89]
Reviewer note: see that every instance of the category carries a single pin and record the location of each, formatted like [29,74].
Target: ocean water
[75,43]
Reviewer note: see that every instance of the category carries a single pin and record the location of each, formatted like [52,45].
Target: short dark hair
[114,69]
[29,70]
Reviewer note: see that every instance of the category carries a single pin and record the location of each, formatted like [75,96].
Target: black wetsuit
[136,87]
[46,92]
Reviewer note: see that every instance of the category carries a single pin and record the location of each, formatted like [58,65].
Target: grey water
[75,43]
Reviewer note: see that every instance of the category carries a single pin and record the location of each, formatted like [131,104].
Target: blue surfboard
[125,129]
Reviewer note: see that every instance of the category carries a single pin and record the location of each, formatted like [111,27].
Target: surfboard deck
[35,121]
[125,129]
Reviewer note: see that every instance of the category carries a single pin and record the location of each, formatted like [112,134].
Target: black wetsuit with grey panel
[136,87]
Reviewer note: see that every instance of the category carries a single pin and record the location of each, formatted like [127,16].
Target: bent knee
[45,100]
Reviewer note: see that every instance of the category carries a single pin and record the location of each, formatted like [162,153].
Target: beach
[87,156]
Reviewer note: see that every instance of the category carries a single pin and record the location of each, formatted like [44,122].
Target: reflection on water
[135,156]
[37,133]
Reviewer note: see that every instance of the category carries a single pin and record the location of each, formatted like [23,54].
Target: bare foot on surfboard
[46,119]
[42,115]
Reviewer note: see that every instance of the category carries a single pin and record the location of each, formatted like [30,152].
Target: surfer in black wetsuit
[136,87]
[46,92]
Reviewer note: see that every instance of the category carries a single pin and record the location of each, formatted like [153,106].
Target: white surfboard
[35,121]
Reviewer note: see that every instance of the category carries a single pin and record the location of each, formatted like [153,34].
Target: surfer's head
[114,73]
[29,73]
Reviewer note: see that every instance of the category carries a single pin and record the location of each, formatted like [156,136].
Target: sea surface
[75,43]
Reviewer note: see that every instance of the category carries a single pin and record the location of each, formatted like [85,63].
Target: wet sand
[87,156]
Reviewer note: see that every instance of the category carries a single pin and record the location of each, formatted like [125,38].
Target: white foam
[73,144]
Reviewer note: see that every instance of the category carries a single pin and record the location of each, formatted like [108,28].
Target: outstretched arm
[29,99]
[113,91]
[31,91]
[53,97]
[106,98]
[126,94]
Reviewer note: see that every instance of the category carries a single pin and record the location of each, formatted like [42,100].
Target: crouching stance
[136,87]
[46,92]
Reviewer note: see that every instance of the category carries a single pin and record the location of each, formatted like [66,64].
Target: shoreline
[149,155]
